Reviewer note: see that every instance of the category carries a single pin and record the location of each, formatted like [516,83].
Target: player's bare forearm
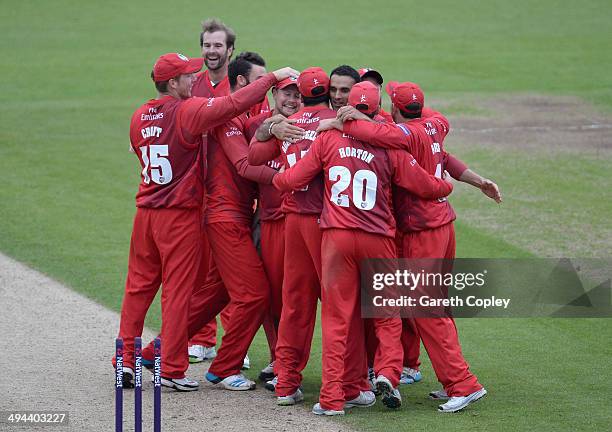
[488,187]
[262,133]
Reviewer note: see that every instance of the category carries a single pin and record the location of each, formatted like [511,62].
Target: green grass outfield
[73,72]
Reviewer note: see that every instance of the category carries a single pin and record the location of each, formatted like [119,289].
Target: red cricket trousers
[344,365]
[439,335]
[236,279]
[272,257]
[300,293]
[164,249]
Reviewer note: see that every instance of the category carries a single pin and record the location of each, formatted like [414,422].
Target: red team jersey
[231,184]
[204,88]
[308,200]
[270,198]
[166,135]
[423,138]
[358,178]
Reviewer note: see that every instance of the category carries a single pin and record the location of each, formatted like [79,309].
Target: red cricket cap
[368,72]
[313,82]
[365,96]
[172,65]
[286,83]
[406,96]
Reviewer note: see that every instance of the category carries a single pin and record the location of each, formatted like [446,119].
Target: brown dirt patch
[528,121]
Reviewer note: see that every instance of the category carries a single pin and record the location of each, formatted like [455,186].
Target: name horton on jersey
[364,155]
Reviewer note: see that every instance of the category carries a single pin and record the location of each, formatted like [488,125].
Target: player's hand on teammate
[329,124]
[351,113]
[491,190]
[285,130]
[284,73]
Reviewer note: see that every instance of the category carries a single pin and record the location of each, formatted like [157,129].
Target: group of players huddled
[258,213]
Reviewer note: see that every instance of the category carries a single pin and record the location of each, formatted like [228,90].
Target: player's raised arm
[304,170]
[408,174]
[235,147]
[198,115]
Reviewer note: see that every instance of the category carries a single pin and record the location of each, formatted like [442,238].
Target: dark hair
[316,100]
[252,57]
[236,67]
[161,86]
[212,25]
[346,70]
[242,65]
[413,107]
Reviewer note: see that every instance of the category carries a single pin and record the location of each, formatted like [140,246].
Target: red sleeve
[454,166]
[303,171]
[235,147]
[408,174]
[386,135]
[197,115]
[261,152]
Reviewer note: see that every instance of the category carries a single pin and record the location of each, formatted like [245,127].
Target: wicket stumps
[119,349]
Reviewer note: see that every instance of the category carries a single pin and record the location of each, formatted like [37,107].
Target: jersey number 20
[364,187]
[161,171]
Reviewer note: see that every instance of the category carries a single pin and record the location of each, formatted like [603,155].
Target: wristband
[270,129]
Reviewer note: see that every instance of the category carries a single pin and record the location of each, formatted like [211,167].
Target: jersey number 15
[156,163]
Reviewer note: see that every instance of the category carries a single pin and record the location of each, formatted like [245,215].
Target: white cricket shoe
[271,384]
[438,394]
[267,373]
[457,403]
[199,353]
[318,410]
[128,377]
[364,400]
[391,397]
[246,364]
[372,380]
[410,376]
[238,383]
[292,399]
[180,384]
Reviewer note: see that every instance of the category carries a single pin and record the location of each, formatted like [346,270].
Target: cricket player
[302,262]
[372,75]
[427,226]
[231,188]
[287,101]
[166,135]
[342,79]
[357,224]
[217,41]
